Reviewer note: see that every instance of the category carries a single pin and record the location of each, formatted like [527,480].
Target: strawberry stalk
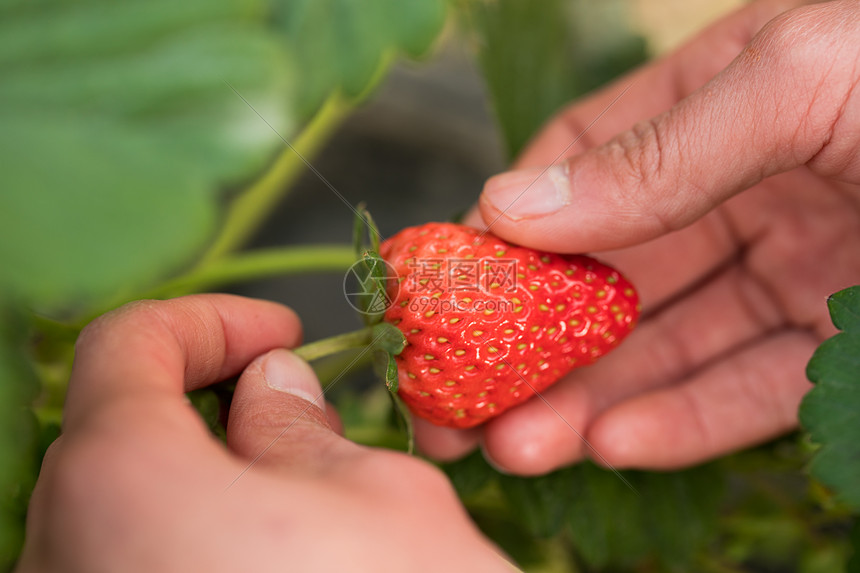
[380,337]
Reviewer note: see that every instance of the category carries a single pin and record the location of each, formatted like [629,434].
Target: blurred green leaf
[208,405]
[542,502]
[605,518]
[853,565]
[344,44]
[830,412]
[668,517]
[19,432]
[507,530]
[120,126]
[469,474]
[112,210]
[539,55]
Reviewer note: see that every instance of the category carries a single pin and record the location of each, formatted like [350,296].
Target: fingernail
[285,372]
[529,192]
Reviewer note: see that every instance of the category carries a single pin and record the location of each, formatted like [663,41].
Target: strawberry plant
[145,143]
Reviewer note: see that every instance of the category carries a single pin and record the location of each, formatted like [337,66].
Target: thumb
[277,416]
[774,108]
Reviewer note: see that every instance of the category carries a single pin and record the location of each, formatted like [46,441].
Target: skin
[136,482]
[724,185]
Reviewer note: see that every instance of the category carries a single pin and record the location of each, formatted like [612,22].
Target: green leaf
[844,309]
[404,420]
[508,532]
[372,230]
[539,55]
[343,44]
[541,502]
[605,518]
[388,338]
[19,431]
[208,405]
[121,123]
[391,379]
[668,517]
[853,565]
[364,227]
[373,279]
[386,368]
[830,412]
[111,211]
[358,231]
[470,474]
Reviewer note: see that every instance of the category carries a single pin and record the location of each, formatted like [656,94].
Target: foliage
[347,44]
[127,127]
[19,436]
[831,411]
[609,519]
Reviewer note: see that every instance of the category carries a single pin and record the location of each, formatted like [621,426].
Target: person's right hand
[732,204]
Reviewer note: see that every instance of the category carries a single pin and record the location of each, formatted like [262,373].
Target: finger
[148,353]
[539,436]
[671,265]
[333,418]
[737,403]
[652,89]
[757,118]
[444,444]
[277,419]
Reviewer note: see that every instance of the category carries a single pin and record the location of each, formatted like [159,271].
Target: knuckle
[641,164]
[642,152]
[100,327]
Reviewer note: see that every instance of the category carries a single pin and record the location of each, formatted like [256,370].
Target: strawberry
[489,324]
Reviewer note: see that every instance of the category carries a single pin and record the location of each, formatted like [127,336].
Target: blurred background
[157,148]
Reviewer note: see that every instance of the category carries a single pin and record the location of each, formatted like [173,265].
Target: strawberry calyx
[382,339]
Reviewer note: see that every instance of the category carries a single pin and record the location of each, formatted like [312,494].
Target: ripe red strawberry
[489,324]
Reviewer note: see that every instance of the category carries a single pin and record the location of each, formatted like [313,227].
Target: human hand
[732,284]
[137,483]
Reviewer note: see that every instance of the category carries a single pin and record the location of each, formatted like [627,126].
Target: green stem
[252,206]
[258,264]
[334,344]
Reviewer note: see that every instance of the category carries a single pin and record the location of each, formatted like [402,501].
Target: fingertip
[285,372]
[545,209]
[631,436]
[526,441]
[444,444]
[266,312]
[527,193]
[473,218]
[277,409]
[613,445]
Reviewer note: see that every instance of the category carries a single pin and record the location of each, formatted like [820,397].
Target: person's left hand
[137,483]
